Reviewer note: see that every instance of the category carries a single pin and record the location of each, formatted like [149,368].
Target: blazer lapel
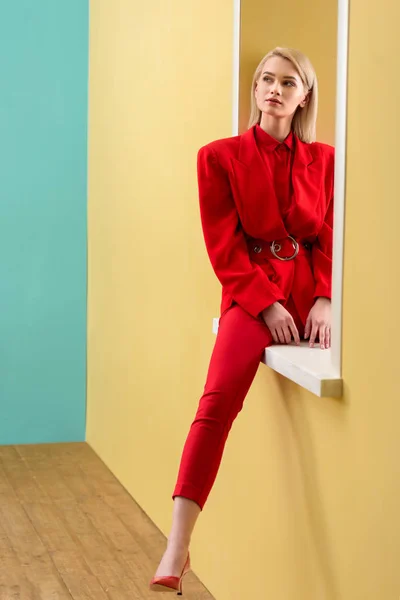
[307,180]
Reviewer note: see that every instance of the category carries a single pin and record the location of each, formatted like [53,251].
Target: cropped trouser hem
[190,492]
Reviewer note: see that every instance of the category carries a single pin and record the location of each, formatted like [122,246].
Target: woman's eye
[290,83]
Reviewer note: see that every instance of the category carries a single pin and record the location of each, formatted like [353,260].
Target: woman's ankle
[178,544]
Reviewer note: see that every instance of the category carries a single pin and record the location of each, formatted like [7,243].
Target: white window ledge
[311,368]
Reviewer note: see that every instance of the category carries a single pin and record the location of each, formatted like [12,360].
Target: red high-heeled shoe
[170,583]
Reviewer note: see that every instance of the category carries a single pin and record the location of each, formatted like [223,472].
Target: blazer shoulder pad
[223,145]
[325,149]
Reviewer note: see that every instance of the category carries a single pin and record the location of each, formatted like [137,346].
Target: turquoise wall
[43,162]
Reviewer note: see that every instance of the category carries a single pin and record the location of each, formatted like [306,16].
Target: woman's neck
[279,129]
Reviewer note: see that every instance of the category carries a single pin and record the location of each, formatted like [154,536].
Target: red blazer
[238,205]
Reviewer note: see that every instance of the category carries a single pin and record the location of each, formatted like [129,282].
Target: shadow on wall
[310,485]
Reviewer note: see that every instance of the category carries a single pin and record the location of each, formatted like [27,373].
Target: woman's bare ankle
[178,544]
[172,561]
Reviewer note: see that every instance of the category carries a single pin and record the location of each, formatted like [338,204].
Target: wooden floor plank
[13,582]
[72,524]
[70,531]
[30,552]
[79,579]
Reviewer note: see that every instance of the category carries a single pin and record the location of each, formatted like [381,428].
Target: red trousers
[238,350]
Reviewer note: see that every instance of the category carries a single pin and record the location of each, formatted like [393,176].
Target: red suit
[254,191]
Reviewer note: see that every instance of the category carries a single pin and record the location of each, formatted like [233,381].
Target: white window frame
[319,371]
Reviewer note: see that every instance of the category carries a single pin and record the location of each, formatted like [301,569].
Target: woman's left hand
[319,323]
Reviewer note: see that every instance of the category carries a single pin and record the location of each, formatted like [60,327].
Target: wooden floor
[68,529]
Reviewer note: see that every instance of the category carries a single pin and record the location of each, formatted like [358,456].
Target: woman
[266,203]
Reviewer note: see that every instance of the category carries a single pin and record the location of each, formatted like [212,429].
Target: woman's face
[279,89]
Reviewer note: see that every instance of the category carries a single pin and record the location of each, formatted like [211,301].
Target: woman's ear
[305,100]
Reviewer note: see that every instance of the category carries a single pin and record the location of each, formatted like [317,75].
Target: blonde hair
[305,119]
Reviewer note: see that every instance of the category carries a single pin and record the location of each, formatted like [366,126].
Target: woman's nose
[276,88]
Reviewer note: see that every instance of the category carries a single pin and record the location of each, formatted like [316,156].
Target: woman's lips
[274,101]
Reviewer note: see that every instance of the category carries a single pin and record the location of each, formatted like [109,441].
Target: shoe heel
[170,584]
[180,591]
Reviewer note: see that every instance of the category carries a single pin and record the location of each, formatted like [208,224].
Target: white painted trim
[317,370]
[340,183]
[236,67]
[311,368]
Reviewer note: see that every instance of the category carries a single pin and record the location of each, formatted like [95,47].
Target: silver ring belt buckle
[274,247]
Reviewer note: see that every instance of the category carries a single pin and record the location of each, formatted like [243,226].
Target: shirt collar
[270,143]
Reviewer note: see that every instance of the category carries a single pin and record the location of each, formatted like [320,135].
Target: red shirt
[278,159]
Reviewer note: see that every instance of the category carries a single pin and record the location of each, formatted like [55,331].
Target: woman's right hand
[281,324]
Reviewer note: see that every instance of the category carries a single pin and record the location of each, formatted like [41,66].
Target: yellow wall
[310,26]
[370,546]
[308,493]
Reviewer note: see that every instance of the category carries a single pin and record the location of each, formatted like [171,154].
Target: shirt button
[257,249]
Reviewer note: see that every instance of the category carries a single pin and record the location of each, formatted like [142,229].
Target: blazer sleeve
[321,256]
[226,246]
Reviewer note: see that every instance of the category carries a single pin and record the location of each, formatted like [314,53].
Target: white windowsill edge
[311,368]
